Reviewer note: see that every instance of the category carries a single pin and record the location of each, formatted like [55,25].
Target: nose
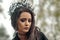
[26,23]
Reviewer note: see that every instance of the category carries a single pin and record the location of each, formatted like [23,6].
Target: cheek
[20,25]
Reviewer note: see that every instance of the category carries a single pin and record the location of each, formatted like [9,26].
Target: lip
[26,28]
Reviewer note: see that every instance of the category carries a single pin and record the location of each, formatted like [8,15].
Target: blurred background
[47,18]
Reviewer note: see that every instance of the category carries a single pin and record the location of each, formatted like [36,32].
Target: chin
[26,31]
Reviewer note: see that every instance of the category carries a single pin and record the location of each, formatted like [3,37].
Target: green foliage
[54,14]
[2,32]
[57,14]
[43,24]
[1,10]
[40,15]
[3,35]
[0,0]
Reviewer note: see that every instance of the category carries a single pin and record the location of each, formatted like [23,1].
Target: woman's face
[24,22]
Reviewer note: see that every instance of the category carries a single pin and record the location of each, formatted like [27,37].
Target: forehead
[25,15]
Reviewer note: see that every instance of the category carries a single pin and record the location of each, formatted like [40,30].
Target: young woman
[22,20]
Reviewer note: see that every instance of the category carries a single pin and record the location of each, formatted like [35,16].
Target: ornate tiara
[19,4]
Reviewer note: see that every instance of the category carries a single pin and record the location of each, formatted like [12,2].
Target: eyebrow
[25,18]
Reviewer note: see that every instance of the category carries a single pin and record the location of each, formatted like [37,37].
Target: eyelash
[29,21]
[23,20]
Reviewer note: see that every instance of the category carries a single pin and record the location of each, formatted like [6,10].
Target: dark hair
[17,12]
[15,15]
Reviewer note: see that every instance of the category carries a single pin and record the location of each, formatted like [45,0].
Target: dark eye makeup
[29,20]
[24,19]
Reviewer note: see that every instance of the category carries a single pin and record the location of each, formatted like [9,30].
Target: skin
[24,23]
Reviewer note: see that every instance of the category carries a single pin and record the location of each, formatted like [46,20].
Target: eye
[29,20]
[22,20]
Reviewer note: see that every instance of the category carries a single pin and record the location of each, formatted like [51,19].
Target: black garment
[16,37]
[42,37]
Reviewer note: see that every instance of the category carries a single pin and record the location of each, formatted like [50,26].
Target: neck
[22,36]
